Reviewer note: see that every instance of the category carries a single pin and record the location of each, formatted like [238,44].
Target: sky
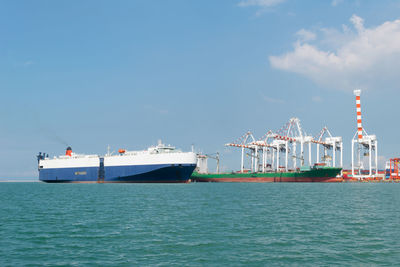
[126,73]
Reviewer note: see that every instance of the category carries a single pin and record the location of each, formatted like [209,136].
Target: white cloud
[344,59]
[306,36]
[358,23]
[260,3]
[24,64]
[27,63]
[336,2]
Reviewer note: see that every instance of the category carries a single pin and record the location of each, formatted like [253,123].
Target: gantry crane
[285,140]
[329,143]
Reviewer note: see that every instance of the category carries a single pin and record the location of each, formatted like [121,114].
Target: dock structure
[277,151]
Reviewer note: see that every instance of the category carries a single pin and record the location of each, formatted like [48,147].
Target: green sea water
[199,224]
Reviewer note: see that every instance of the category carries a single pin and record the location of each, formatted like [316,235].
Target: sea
[200,224]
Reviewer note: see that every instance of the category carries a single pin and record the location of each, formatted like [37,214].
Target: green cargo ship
[313,174]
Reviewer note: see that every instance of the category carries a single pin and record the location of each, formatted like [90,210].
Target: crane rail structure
[285,140]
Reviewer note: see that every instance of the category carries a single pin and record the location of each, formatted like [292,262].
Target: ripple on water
[199,224]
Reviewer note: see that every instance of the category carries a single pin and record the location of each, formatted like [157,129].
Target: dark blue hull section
[86,174]
[165,173]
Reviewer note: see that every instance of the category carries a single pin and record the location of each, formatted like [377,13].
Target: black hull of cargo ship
[326,174]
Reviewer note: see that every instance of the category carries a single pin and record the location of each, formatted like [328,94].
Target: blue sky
[127,73]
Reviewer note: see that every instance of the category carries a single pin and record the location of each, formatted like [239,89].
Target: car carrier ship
[157,164]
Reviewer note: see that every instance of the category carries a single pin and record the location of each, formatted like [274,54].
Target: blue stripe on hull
[112,172]
[69,174]
[165,174]
[129,174]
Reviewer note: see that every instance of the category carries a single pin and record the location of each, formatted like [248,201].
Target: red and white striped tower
[358,109]
[367,143]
